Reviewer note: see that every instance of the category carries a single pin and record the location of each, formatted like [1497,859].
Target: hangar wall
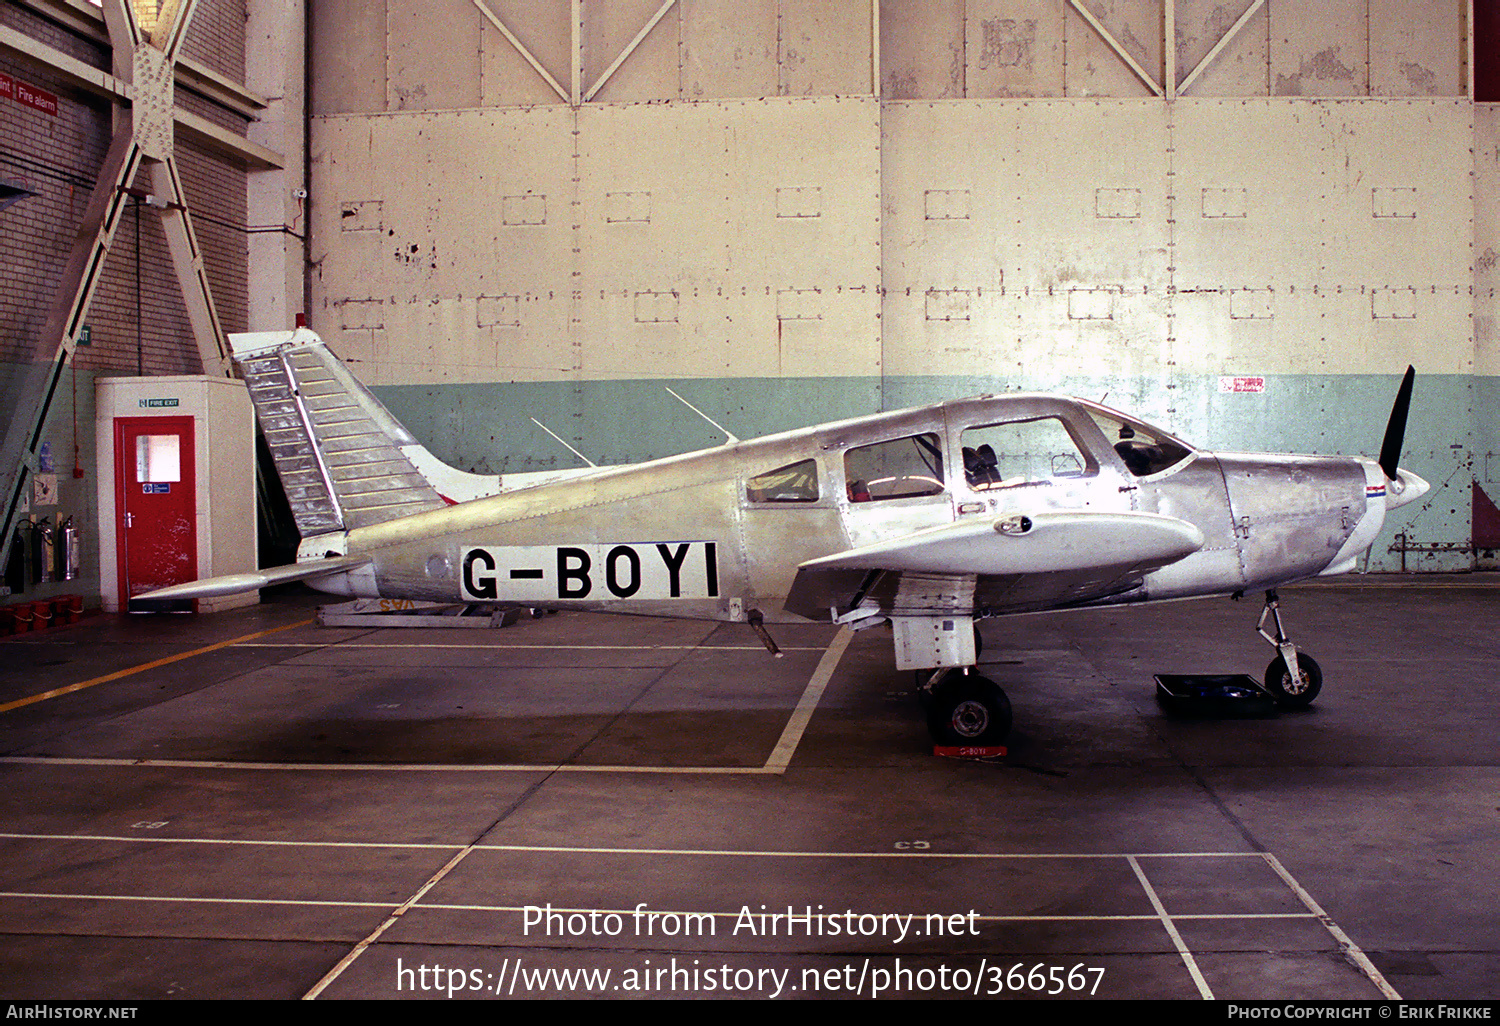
[1246,236]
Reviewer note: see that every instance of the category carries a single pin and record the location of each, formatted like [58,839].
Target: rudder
[342,457]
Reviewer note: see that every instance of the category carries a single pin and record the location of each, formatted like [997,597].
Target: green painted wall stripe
[1452,440]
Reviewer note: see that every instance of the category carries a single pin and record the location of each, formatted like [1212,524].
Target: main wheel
[1279,682]
[968,709]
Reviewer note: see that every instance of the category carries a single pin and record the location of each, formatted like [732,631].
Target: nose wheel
[1293,678]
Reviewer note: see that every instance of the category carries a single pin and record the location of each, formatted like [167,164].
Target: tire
[968,709]
[1279,682]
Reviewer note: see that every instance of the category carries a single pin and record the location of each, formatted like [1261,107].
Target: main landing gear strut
[965,708]
[1292,688]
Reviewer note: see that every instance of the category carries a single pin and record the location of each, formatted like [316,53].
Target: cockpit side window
[1022,452]
[795,482]
[898,469]
[1144,450]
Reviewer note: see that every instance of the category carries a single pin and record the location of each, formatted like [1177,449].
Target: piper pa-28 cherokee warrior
[928,518]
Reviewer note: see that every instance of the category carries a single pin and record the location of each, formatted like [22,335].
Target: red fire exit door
[156,531]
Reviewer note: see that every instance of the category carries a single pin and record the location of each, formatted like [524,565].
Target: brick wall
[135,330]
[217,37]
[58,157]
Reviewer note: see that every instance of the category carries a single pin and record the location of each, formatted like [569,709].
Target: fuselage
[720,533]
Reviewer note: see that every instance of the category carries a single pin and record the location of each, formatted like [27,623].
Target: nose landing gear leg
[1293,678]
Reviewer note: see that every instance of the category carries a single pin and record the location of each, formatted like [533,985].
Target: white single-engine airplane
[928,518]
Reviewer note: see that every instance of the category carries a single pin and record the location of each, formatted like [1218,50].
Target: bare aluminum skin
[1264,520]
[905,515]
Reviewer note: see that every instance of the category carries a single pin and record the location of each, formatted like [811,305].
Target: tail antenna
[565,445]
[727,434]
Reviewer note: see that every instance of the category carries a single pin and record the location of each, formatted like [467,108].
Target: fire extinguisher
[43,539]
[67,551]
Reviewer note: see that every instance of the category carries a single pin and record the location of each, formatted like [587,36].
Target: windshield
[1146,450]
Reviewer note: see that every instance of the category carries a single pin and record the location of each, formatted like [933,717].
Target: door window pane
[1000,455]
[158,458]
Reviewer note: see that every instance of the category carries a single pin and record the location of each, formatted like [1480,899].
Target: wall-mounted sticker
[1228,384]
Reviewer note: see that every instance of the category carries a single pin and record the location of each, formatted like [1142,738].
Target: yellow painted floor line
[165,661]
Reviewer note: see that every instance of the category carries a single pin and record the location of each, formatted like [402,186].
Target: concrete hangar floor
[249,805]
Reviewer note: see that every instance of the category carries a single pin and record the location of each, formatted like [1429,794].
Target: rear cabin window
[1022,452]
[795,482]
[899,469]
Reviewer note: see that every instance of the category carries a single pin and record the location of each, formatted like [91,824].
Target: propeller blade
[1395,430]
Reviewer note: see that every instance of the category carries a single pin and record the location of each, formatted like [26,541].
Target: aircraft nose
[1406,487]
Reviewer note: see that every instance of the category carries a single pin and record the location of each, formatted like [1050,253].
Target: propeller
[1395,429]
[1402,486]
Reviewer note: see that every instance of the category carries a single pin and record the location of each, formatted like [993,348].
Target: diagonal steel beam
[187,260]
[536,65]
[79,278]
[124,32]
[177,15]
[1114,45]
[65,319]
[640,37]
[1213,54]
[155,133]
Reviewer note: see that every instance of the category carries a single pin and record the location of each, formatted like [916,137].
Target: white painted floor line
[380,767]
[248,841]
[791,735]
[1351,950]
[176,899]
[446,907]
[1142,917]
[1171,928]
[415,903]
[554,849]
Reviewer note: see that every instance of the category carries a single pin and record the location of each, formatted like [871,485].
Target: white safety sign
[609,572]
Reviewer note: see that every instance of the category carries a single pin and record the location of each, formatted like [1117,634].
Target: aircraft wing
[234,584]
[1007,563]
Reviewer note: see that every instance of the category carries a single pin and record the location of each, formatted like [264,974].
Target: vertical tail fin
[344,460]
